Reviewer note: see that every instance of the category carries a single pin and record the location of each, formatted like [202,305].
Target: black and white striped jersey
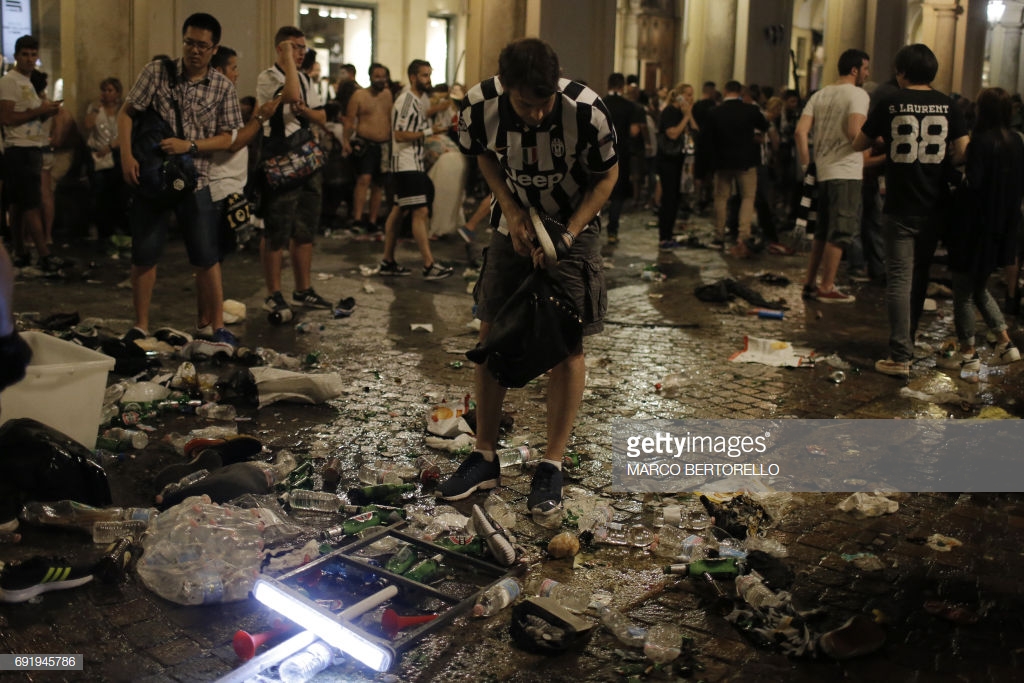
[408,114]
[549,166]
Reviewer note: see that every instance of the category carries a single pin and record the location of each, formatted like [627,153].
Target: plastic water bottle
[315,501]
[566,596]
[621,627]
[110,531]
[217,411]
[302,666]
[753,591]
[509,457]
[497,597]
[664,643]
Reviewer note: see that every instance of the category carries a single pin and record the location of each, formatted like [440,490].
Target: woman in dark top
[676,118]
[985,236]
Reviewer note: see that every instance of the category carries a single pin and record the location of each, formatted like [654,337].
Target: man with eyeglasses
[209,111]
[291,216]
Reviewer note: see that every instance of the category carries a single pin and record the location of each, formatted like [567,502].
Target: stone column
[719,41]
[938,27]
[970,48]
[629,59]
[1005,49]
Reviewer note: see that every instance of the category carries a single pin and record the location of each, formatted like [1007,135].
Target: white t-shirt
[831,108]
[228,171]
[268,83]
[16,87]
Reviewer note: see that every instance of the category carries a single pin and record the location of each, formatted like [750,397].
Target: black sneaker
[473,474]
[344,307]
[25,580]
[310,299]
[391,269]
[133,335]
[546,491]
[437,271]
[280,311]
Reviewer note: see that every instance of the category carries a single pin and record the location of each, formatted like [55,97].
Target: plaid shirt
[208,106]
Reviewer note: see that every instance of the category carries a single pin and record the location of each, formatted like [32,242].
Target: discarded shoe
[25,580]
[858,636]
[503,552]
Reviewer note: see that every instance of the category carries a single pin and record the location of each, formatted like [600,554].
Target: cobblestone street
[657,334]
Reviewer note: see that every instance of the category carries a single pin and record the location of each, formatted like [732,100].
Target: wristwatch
[192,148]
[259,117]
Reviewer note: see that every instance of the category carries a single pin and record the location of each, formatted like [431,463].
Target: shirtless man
[369,118]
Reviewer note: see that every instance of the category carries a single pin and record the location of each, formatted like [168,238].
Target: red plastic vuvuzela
[246,644]
[392,622]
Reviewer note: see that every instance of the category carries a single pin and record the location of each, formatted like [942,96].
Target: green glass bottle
[718,567]
[364,520]
[426,570]
[467,545]
[382,493]
[402,561]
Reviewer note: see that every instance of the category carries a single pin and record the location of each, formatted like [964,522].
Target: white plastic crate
[63,388]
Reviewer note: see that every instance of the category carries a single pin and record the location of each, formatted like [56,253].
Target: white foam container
[63,388]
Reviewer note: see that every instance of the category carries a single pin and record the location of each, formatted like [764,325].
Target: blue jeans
[198,222]
[968,288]
[909,247]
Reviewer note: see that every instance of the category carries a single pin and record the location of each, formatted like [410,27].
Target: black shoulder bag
[288,161]
[163,178]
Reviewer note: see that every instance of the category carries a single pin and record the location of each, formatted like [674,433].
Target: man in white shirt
[834,115]
[22,114]
[291,216]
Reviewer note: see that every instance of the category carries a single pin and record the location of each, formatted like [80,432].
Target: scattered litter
[943,544]
[867,562]
[275,385]
[930,305]
[421,327]
[652,274]
[773,279]
[368,288]
[234,311]
[939,397]
[937,289]
[837,377]
[463,443]
[367,271]
[474,324]
[869,505]
[779,354]
[323,276]
[565,544]
[833,360]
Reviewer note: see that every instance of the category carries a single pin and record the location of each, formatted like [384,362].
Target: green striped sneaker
[24,580]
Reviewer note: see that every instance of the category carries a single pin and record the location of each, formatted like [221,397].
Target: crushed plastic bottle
[314,501]
[217,411]
[664,642]
[568,597]
[306,664]
[621,627]
[518,455]
[751,588]
[70,513]
[497,597]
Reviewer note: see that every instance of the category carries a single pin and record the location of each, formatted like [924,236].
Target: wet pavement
[657,333]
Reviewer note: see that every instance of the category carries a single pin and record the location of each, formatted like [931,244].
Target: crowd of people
[871,177]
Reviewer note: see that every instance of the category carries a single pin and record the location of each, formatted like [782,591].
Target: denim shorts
[198,220]
[580,275]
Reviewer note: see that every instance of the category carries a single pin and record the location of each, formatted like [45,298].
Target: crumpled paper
[274,384]
[779,354]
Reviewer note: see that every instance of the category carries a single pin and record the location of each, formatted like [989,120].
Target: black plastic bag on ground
[534,331]
[37,462]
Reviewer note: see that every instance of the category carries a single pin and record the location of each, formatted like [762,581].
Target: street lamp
[995,11]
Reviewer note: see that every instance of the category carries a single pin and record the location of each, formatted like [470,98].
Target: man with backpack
[200,107]
[292,214]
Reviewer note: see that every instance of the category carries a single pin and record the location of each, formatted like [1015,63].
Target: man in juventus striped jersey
[413,189]
[547,143]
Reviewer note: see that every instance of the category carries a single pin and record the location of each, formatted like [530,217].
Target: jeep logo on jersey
[541,181]
[557,147]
